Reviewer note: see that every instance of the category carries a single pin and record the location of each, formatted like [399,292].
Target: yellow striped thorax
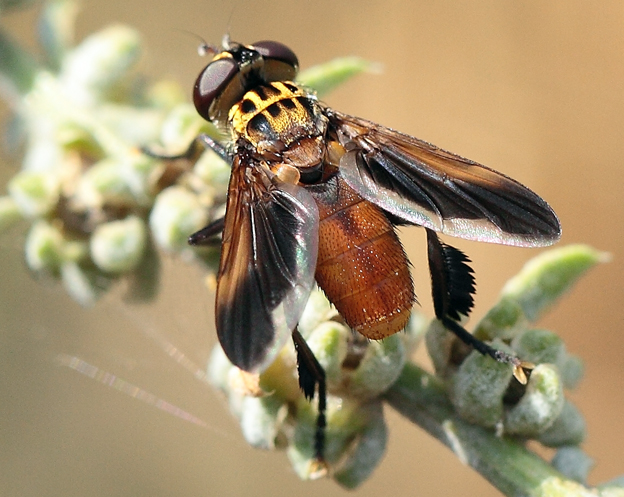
[280,113]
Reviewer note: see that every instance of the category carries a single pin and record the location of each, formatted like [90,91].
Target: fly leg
[215,146]
[311,374]
[453,287]
[207,236]
[199,144]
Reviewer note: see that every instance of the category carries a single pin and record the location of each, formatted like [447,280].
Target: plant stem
[503,461]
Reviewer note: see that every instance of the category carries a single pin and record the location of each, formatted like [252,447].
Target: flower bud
[540,346]
[381,365]
[478,388]
[325,77]
[262,419]
[505,320]
[213,171]
[546,277]
[44,247]
[540,405]
[99,63]
[180,127]
[346,420]
[34,193]
[328,342]
[103,183]
[177,213]
[118,246]
[573,463]
[317,311]
[369,449]
[83,285]
[9,213]
[568,429]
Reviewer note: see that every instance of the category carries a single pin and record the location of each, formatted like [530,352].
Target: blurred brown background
[534,89]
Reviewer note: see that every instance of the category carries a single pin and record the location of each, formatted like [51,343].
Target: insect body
[315,194]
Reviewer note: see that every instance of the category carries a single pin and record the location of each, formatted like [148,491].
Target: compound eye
[211,83]
[277,51]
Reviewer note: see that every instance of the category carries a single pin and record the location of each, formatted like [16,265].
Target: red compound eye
[211,83]
[277,51]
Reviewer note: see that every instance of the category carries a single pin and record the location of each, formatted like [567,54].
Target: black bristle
[460,282]
[452,280]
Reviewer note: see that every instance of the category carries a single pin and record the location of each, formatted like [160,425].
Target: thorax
[280,122]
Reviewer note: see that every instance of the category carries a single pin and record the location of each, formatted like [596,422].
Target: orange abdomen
[362,267]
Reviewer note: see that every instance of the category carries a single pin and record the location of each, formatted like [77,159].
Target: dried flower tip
[318,469]
[245,383]
[519,374]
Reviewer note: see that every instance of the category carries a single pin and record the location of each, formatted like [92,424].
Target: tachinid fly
[315,195]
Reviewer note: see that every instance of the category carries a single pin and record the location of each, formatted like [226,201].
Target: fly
[315,196]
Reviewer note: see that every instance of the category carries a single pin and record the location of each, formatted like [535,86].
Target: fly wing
[425,185]
[268,260]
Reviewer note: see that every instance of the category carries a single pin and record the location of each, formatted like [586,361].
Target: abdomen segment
[362,267]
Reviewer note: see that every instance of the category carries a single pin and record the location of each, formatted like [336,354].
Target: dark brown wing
[268,259]
[424,185]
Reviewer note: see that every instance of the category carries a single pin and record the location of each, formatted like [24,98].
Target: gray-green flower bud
[35,193]
[177,213]
[96,66]
[118,246]
[540,405]
[573,463]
